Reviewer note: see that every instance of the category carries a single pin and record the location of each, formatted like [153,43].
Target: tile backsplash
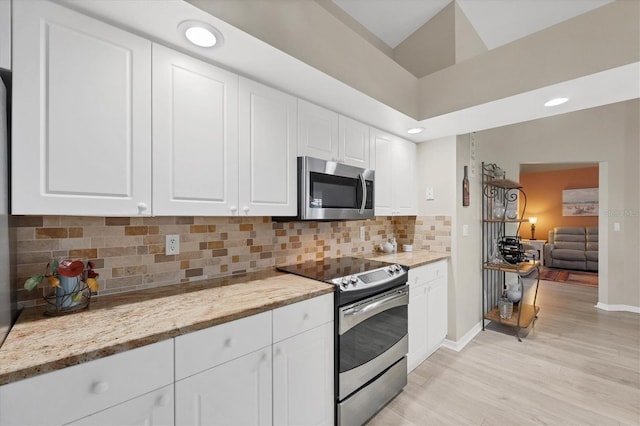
[129,252]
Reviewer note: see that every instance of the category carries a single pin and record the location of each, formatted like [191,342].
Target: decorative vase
[69,286]
[513,292]
[511,212]
[505,307]
[498,210]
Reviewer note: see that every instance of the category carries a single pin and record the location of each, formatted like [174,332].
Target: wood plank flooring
[578,366]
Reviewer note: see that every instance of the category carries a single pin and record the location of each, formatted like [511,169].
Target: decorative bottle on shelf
[511,212]
[465,189]
[498,209]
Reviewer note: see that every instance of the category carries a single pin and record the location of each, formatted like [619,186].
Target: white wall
[607,135]
[440,164]
[467,248]
[5,34]
[434,165]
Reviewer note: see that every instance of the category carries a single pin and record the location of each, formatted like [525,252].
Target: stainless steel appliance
[7,302]
[371,340]
[333,191]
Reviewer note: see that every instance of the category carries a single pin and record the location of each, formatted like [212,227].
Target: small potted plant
[70,283]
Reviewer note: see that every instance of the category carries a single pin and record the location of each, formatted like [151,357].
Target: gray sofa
[572,247]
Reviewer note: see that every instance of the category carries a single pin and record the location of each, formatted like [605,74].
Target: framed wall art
[580,202]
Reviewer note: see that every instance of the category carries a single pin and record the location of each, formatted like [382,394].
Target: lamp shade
[533,220]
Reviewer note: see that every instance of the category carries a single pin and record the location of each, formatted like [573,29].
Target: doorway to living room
[563,198]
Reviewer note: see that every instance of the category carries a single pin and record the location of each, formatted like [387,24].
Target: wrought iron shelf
[498,191]
[504,184]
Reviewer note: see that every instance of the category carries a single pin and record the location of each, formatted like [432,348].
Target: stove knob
[354,280]
[391,270]
[398,268]
[345,282]
[345,285]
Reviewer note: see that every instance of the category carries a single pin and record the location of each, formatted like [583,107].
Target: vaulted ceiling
[497,22]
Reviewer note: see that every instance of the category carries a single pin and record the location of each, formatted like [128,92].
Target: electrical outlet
[362,234]
[172,244]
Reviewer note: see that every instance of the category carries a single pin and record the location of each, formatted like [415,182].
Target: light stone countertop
[412,259]
[116,323]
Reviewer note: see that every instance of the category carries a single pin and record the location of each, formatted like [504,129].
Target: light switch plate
[429,193]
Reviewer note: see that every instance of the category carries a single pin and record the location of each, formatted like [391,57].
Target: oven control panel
[369,279]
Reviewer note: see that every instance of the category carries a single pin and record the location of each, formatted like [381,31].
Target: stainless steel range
[371,340]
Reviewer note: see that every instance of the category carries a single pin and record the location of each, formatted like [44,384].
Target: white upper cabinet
[81,115]
[404,178]
[267,151]
[354,142]
[317,131]
[195,136]
[395,188]
[329,136]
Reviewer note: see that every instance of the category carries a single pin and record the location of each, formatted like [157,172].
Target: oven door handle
[364,193]
[353,316]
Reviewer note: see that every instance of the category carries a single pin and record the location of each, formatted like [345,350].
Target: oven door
[372,336]
[330,190]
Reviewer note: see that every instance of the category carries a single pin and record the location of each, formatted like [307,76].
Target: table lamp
[533,221]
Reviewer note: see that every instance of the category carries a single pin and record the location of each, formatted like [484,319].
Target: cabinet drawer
[207,348]
[298,317]
[75,392]
[426,273]
[151,409]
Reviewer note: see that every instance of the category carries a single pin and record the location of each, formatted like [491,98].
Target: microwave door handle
[364,193]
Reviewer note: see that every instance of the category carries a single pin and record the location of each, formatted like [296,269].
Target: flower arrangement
[70,283]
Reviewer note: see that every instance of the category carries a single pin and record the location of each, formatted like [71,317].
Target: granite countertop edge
[124,321]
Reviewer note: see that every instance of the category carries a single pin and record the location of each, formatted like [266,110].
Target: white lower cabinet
[275,367]
[152,409]
[303,365]
[235,393]
[238,374]
[427,311]
[73,393]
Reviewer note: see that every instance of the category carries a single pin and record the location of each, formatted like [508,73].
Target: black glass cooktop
[331,268]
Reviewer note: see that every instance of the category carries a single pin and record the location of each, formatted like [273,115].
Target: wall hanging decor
[465,189]
[580,202]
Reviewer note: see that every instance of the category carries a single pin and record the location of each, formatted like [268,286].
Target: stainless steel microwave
[333,191]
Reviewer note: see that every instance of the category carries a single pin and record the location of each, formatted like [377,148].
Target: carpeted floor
[589,279]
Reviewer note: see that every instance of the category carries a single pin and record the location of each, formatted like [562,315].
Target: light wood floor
[578,366]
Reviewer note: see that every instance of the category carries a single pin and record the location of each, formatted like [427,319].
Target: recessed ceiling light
[415,130]
[201,34]
[555,102]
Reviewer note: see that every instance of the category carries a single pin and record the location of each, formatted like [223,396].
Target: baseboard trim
[458,345]
[618,308]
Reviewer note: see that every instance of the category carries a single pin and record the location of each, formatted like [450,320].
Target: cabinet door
[152,409]
[354,146]
[74,392]
[235,393]
[268,167]
[418,311]
[81,115]
[195,136]
[437,313]
[317,131]
[404,173]
[303,378]
[384,185]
